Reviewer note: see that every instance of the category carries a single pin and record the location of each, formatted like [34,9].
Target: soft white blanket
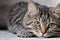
[5,35]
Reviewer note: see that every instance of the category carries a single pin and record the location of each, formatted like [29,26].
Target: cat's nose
[43,30]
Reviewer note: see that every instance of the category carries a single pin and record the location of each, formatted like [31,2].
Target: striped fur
[22,18]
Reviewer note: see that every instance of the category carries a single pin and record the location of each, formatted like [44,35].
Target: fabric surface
[5,35]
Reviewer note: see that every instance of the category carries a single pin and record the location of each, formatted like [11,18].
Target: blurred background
[5,5]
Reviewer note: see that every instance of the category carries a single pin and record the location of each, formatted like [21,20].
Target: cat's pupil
[37,23]
[51,24]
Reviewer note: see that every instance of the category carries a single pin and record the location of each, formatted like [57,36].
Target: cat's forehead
[44,10]
[43,14]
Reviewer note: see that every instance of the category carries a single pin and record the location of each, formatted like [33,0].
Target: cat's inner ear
[32,9]
[56,10]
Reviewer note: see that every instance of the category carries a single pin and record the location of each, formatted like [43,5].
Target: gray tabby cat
[28,19]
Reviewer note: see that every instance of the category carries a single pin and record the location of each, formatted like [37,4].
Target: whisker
[57,30]
[54,32]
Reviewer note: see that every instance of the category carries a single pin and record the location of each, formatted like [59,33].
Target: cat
[27,19]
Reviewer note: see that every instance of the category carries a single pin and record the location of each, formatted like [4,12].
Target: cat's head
[42,21]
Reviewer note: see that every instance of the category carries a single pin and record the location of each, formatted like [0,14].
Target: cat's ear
[32,8]
[56,10]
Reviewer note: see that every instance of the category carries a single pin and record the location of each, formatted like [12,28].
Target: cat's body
[28,19]
[16,16]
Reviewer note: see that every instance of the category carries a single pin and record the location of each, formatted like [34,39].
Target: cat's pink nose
[43,30]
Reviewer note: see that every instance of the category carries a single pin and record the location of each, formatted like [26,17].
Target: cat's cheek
[47,35]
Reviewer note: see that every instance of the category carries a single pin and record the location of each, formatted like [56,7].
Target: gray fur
[22,23]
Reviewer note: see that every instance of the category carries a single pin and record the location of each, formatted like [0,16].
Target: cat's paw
[24,34]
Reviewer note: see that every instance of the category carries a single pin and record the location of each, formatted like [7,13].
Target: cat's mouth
[45,35]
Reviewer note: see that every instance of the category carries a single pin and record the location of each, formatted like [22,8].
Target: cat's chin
[45,36]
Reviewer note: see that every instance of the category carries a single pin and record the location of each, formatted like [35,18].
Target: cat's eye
[37,23]
[52,25]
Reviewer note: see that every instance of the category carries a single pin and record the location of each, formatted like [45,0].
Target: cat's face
[42,22]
